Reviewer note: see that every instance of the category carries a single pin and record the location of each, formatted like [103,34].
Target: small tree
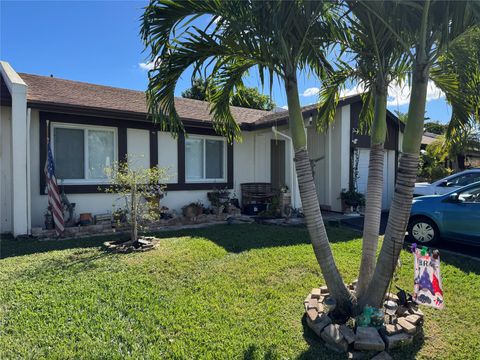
[138,187]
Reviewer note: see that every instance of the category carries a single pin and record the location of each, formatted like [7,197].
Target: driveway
[357,223]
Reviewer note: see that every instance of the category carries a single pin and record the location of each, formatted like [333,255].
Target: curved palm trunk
[373,206]
[402,199]
[310,205]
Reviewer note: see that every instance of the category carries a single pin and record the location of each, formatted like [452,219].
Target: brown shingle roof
[67,93]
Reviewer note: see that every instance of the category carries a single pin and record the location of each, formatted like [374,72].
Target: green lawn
[215,293]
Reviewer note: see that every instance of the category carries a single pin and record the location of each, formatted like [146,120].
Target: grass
[224,292]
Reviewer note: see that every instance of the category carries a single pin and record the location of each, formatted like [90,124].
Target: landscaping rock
[306,301]
[368,338]
[414,319]
[391,329]
[324,290]
[347,333]
[334,339]
[382,356]
[341,347]
[332,334]
[408,327]
[319,324]
[397,340]
[358,355]
[312,314]
[312,304]
[416,312]
[315,294]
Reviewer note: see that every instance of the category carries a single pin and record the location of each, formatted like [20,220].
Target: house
[90,126]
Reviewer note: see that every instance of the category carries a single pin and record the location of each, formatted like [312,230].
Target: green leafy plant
[136,186]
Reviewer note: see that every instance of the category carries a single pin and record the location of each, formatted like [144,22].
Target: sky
[99,42]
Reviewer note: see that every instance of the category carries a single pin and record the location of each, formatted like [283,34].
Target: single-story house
[90,126]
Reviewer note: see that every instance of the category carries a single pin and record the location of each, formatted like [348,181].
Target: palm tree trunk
[402,199]
[373,206]
[310,204]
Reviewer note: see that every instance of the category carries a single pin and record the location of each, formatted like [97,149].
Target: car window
[470,196]
[464,179]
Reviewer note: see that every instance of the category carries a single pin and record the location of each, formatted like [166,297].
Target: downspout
[293,178]
[29,198]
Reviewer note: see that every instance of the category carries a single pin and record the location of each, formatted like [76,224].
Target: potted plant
[219,199]
[192,210]
[351,199]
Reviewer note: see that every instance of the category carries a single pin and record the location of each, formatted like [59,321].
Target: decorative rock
[357,355]
[416,312]
[306,301]
[312,314]
[315,294]
[332,334]
[320,307]
[392,329]
[334,339]
[324,290]
[397,340]
[318,325]
[312,304]
[347,333]
[408,327]
[341,347]
[382,356]
[368,338]
[414,319]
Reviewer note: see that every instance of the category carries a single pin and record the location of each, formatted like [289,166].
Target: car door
[462,216]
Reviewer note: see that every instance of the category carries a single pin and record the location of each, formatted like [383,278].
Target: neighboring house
[427,139]
[90,126]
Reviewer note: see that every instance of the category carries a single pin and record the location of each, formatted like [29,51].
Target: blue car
[454,216]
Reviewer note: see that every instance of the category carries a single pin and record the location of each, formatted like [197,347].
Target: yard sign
[428,283]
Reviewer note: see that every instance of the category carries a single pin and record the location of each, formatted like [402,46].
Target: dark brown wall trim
[122,126]
[153,148]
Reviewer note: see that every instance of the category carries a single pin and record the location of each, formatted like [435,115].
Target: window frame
[85,128]
[224,165]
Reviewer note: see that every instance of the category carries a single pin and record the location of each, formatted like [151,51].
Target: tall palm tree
[377,61]
[279,38]
[428,28]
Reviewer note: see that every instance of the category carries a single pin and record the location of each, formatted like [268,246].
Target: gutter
[293,178]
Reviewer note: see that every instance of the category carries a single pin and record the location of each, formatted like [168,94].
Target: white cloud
[357,89]
[284,107]
[148,65]
[311,92]
[398,94]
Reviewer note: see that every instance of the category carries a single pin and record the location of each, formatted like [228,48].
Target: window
[471,195]
[464,179]
[204,159]
[82,153]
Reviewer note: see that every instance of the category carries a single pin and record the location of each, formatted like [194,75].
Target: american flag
[53,193]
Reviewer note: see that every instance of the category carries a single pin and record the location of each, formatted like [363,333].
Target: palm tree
[378,60]
[428,27]
[279,38]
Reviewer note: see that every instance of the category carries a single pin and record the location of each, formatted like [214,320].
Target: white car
[448,184]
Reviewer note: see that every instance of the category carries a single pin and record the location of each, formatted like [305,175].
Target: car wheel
[423,231]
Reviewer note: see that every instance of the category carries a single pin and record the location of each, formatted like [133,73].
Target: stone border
[361,342]
[177,223]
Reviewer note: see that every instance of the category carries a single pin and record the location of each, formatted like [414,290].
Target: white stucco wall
[138,148]
[5,169]
[168,155]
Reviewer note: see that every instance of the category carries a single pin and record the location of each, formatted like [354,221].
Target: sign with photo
[428,283]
